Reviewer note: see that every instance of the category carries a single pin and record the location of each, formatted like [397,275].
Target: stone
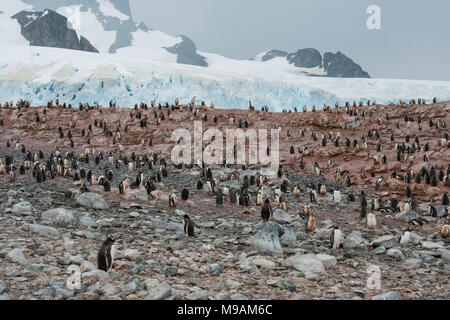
[307,263]
[406,215]
[92,201]
[445,254]
[267,240]
[328,261]
[354,240]
[160,292]
[23,208]
[429,245]
[95,275]
[385,241]
[16,256]
[58,216]
[391,295]
[378,250]
[412,263]
[395,253]
[214,269]
[44,230]
[263,263]
[3,287]
[281,216]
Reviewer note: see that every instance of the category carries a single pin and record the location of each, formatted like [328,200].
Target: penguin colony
[390,140]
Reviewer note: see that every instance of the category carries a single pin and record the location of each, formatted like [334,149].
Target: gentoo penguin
[445,200]
[311,224]
[105,256]
[445,231]
[173,200]
[12,176]
[188,225]
[307,210]
[336,196]
[185,194]
[199,185]
[296,191]
[323,190]
[219,197]
[266,210]
[371,221]
[259,197]
[336,238]
[106,186]
[404,238]
[313,196]
[432,211]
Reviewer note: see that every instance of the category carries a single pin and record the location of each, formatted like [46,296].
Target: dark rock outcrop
[186,52]
[305,58]
[340,66]
[49,29]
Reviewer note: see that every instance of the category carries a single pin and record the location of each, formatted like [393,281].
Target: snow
[108,9]
[86,24]
[150,46]
[41,74]
[10,31]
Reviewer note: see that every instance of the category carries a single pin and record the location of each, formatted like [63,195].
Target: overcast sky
[413,42]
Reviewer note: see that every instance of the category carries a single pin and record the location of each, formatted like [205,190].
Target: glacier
[41,74]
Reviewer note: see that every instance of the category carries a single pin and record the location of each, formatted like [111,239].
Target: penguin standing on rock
[105,256]
[404,238]
[185,194]
[188,226]
[336,238]
[219,198]
[310,226]
[371,221]
[266,211]
[172,200]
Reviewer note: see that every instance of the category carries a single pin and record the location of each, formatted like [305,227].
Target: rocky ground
[47,231]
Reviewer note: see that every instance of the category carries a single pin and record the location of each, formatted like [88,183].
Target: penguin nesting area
[359,188]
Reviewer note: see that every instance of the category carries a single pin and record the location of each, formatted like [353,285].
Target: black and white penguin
[219,197]
[405,237]
[105,256]
[106,186]
[199,185]
[445,200]
[266,210]
[311,224]
[185,194]
[173,200]
[336,238]
[188,226]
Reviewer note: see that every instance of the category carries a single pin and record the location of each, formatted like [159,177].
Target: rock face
[340,66]
[93,201]
[186,52]
[336,65]
[305,58]
[307,263]
[50,29]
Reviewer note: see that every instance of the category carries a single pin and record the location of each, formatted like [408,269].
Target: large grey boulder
[23,208]
[354,241]
[92,201]
[281,216]
[267,240]
[385,241]
[307,263]
[44,230]
[58,216]
[16,256]
[391,295]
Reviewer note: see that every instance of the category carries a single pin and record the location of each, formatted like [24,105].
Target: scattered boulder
[92,200]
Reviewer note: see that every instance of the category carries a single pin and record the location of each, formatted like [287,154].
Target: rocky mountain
[50,29]
[333,64]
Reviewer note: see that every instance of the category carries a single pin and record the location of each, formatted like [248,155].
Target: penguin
[311,224]
[445,200]
[188,226]
[432,211]
[336,238]
[106,186]
[405,237]
[445,231]
[266,210]
[12,176]
[323,190]
[219,197]
[259,197]
[371,221]
[185,194]
[105,256]
[172,200]
[296,192]
[307,210]
[336,196]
